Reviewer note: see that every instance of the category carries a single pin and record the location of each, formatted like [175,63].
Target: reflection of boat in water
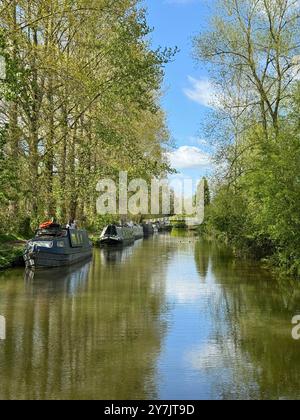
[55,246]
[69,279]
[114,235]
[116,255]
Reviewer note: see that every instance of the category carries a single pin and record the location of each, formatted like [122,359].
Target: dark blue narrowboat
[148,229]
[55,246]
[138,231]
[114,235]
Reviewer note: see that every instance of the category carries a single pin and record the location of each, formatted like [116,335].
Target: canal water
[170,318]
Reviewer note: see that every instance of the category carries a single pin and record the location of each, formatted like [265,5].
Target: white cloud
[198,141]
[183,292]
[203,92]
[186,157]
[211,355]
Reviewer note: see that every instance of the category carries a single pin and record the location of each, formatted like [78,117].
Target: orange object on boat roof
[46,225]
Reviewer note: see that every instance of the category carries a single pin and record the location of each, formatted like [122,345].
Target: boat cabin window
[77,238]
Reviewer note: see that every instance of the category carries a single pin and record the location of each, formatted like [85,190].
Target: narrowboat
[138,232]
[55,246]
[148,229]
[164,227]
[114,235]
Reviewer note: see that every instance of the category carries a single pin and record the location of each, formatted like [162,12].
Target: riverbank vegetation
[79,102]
[11,251]
[253,52]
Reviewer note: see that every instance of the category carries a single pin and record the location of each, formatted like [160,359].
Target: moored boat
[55,246]
[114,235]
[138,232]
[164,227]
[148,229]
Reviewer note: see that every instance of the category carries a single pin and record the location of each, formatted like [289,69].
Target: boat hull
[138,232]
[138,237]
[115,236]
[148,230]
[36,259]
[116,242]
[60,247]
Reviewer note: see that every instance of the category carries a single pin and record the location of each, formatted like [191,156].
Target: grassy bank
[11,250]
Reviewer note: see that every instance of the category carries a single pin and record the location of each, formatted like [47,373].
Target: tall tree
[253,48]
[83,102]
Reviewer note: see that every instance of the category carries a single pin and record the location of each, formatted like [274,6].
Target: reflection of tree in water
[101,342]
[252,321]
[202,255]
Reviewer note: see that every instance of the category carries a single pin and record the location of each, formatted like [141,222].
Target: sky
[187,90]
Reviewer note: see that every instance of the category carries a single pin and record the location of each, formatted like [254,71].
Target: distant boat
[55,246]
[138,232]
[114,235]
[148,229]
[155,228]
[164,226]
[179,223]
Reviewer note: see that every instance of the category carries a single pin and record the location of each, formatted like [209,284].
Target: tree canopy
[80,101]
[253,52]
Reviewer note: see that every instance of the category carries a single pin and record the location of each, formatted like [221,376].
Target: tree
[83,102]
[207,197]
[254,45]
[254,49]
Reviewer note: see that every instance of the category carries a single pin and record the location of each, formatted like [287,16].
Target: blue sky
[187,90]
